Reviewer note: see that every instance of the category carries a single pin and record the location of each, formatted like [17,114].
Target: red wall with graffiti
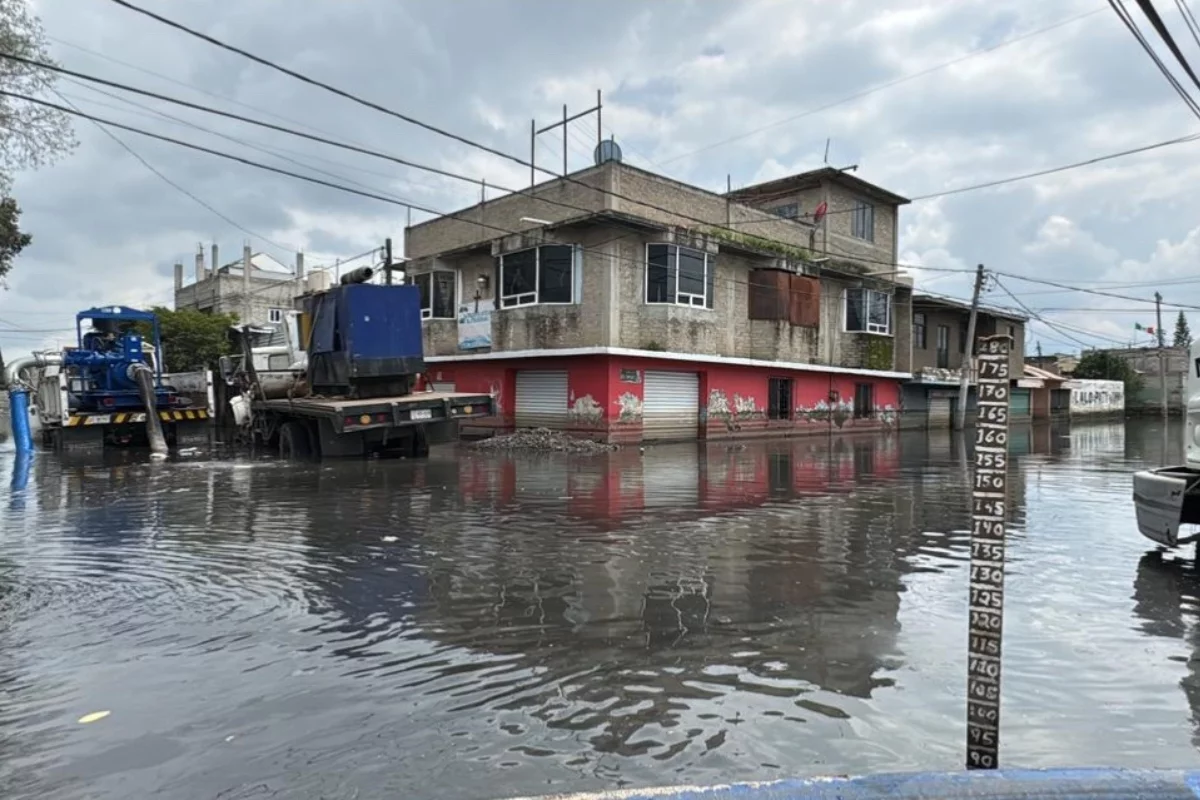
[605,395]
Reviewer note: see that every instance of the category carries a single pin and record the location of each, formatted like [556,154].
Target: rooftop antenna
[826,150]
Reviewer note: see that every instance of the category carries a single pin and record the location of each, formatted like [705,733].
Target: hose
[144,377]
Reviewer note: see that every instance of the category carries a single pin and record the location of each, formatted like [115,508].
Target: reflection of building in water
[1166,598]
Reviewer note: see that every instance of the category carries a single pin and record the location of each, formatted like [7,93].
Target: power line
[1034,315]
[1129,24]
[1189,20]
[1163,33]
[170,182]
[880,87]
[1090,291]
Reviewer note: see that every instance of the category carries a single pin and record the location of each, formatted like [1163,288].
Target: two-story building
[939,351]
[622,305]
[261,298]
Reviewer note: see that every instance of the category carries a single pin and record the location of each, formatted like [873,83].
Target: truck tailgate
[1158,499]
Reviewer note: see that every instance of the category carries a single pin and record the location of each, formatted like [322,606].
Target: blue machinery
[1084,784]
[111,371]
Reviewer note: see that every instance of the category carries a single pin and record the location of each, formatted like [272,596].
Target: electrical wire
[879,87]
[1189,20]
[1054,326]
[171,183]
[1099,292]
[377,107]
[1164,33]
[1129,24]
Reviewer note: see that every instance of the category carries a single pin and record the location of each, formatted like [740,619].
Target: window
[943,346]
[862,221]
[919,330]
[543,275]
[437,294]
[779,400]
[275,315]
[864,400]
[787,211]
[679,276]
[868,311]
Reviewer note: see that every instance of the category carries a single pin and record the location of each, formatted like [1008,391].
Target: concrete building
[1148,362]
[939,345]
[625,305]
[271,288]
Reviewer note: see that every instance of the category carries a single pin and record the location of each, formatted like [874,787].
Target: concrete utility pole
[964,381]
[1162,358]
[246,284]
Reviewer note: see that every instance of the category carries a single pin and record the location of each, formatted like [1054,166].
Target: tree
[1105,366]
[31,135]
[1183,334]
[192,339]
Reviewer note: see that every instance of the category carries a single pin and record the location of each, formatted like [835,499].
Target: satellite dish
[607,150]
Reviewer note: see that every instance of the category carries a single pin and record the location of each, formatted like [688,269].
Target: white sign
[1097,397]
[475,327]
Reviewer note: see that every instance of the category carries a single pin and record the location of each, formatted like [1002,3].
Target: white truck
[1168,497]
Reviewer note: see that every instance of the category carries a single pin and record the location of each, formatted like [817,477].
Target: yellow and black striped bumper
[134,417]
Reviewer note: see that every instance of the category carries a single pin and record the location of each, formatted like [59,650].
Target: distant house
[273,288]
[939,350]
[1150,364]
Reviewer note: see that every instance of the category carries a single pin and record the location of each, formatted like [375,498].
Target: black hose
[146,390]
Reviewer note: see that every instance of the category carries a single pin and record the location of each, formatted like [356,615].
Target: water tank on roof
[607,150]
[318,281]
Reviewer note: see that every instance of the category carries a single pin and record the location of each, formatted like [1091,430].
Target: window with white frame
[438,290]
[862,221]
[679,276]
[868,311]
[543,275]
[275,315]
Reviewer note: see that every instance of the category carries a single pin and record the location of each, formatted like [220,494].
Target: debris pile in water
[546,441]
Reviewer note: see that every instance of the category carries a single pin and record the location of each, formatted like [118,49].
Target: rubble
[544,440]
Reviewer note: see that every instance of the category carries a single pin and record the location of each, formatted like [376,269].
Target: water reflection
[492,623]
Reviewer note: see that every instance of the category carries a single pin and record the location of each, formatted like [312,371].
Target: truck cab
[1169,497]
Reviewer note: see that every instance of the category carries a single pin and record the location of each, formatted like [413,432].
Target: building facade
[939,351]
[264,299]
[622,305]
[1151,364]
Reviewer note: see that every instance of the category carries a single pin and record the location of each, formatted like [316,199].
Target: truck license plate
[99,419]
[422,413]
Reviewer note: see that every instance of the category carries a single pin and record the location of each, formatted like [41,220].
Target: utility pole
[387,259]
[246,299]
[968,361]
[1162,359]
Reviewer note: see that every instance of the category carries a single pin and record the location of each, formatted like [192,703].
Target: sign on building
[475,325]
[1097,397]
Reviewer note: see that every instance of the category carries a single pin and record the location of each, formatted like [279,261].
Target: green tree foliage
[31,135]
[1102,365]
[193,340]
[12,239]
[1183,334]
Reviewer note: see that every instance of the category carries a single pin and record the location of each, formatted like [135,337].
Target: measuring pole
[1162,359]
[986,595]
[964,380]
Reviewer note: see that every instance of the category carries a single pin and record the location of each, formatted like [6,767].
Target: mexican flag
[1137,326]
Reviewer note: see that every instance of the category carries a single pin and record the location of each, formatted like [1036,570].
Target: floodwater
[485,625]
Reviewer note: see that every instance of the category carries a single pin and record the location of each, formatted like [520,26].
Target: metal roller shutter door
[671,405]
[939,412]
[541,398]
[1019,403]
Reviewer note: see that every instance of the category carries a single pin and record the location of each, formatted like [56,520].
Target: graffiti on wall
[629,407]
[586,409]
[1097,397]
[733,415]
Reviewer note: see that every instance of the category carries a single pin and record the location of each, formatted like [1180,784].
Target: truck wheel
[294,442]
[420,443]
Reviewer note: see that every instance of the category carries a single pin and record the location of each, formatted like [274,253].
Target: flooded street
[487,624]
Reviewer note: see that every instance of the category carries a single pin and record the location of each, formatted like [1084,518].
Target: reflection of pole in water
[987,556]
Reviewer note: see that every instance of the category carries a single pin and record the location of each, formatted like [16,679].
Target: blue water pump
[105,370]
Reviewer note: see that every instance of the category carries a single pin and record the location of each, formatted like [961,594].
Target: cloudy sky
[696,89]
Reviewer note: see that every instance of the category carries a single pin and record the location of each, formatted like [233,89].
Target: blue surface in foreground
[1085,784]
